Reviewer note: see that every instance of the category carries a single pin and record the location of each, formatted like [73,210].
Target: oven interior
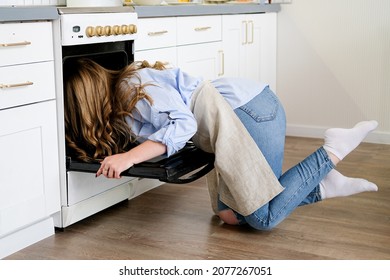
[111,55]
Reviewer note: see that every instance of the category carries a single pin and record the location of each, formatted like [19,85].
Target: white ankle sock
[341,141]
[336,185]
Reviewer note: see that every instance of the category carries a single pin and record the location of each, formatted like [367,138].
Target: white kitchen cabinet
[241,45]
[26,83]
[192,43]
[199,29]
[165,55]
[249,45]
[156,40]
[18,45]
[29,169]
[203,60]
[199,50]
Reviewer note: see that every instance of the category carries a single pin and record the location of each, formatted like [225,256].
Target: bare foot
[228,217]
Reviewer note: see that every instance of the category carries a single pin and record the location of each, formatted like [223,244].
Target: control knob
[132,28]
[125,29]
[99,30]
[107,30]
[116,30]
[90,31]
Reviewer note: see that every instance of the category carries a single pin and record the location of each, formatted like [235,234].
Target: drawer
[198,29]
[25,42]
[165,55]
[155,33]
[26,83]
[82,186]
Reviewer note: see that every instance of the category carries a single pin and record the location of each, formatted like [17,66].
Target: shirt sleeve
[168,120]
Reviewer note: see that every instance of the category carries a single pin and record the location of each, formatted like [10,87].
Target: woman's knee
[262,226]
[258,223]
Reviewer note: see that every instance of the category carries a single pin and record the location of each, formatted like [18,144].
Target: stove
[106,35]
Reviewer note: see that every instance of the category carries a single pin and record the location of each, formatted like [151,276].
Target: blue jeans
[264,118]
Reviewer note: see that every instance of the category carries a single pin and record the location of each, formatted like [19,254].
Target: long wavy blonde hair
[97,101]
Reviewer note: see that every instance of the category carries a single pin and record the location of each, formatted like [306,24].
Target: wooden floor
[176,222]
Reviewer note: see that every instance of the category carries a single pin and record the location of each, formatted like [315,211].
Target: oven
[102,34]
[107,36]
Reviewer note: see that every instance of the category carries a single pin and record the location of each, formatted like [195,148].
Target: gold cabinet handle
[251,27]
[25,43]
[244,28]
[202,28]
[16,85]
[222,56]
[157,33]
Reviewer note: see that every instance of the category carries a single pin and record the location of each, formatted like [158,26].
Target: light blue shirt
[169,119]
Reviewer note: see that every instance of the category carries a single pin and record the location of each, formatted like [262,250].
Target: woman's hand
[113,166]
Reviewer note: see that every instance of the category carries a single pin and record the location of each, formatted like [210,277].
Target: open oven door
[185,166]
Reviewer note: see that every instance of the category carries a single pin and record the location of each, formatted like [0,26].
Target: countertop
[25,13]
[204,9]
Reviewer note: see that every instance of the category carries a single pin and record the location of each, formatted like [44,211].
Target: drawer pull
[16,85]
[25,43]
[202,28]
[251,27]
[157,33]
[244,32]
[222,56]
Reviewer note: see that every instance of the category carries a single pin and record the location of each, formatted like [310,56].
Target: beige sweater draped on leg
[242,177]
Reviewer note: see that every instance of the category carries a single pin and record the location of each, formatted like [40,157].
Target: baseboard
[377,137]
[25,237]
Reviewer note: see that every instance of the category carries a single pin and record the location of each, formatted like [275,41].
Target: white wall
[334,65]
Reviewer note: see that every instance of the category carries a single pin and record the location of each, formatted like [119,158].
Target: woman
[156,108]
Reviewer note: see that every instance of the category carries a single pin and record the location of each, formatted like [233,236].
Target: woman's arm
[113,166]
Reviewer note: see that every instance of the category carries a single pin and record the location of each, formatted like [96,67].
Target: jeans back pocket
[263,107]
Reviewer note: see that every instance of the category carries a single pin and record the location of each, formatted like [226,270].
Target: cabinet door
[166,55]
[249,43]
[29,176]
[204,60]
[233,41]
[261,48]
